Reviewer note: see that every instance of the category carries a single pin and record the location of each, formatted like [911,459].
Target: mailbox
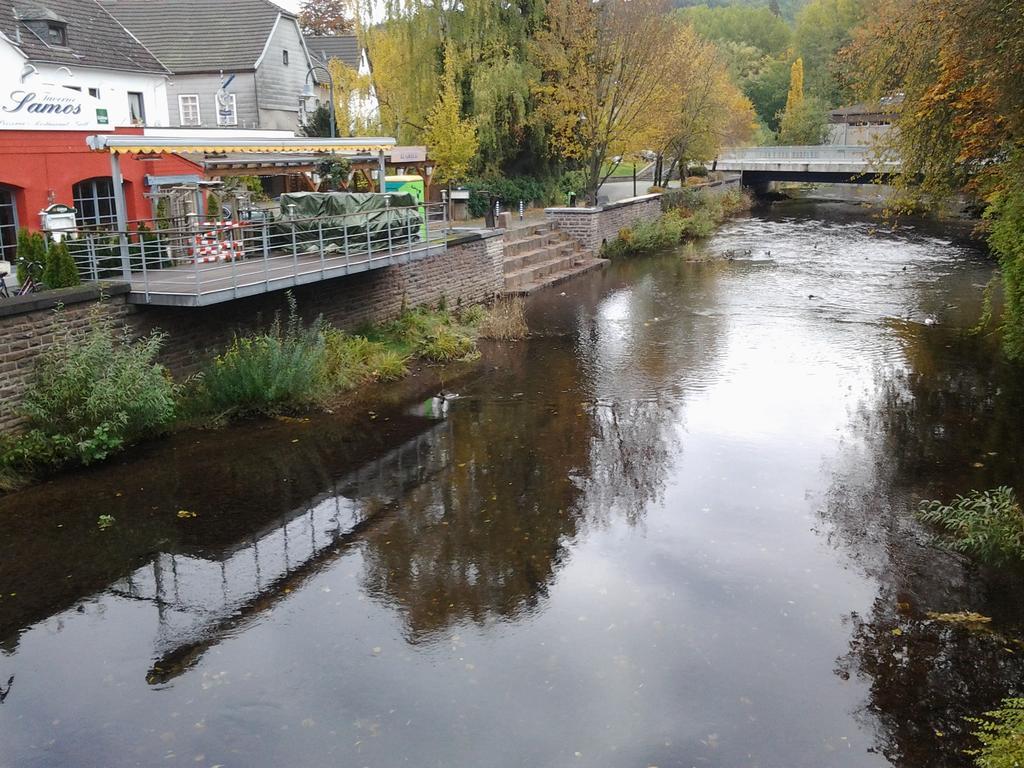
[59,220]
[459,201]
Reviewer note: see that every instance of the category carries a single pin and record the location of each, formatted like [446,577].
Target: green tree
[822,29]
[757,27]
[767,89]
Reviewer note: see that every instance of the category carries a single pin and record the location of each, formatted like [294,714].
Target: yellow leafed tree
[603,68]
[452,139]
[701,108]
[795,97]
[348,86]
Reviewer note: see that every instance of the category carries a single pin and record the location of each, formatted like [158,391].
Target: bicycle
[30,285]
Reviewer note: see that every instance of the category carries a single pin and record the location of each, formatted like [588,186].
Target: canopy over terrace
[228,143]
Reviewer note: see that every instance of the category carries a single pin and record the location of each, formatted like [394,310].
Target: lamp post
[309,93]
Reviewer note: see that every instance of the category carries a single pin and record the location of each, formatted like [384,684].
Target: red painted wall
[35,164]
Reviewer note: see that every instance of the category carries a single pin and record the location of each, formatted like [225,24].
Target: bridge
[825,164]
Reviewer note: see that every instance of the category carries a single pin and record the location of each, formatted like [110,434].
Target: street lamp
[309,93]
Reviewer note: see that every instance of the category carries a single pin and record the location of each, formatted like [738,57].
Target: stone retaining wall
[600,224]
[595,226]
[469,272]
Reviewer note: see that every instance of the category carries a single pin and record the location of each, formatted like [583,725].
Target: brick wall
[595,226]
[469,272]
[28,324]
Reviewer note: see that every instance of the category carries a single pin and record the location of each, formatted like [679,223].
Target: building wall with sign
[108,85]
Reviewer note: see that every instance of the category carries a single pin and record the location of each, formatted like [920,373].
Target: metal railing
[210,261]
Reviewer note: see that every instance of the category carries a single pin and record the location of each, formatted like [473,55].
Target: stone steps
[580,267]
[539,254]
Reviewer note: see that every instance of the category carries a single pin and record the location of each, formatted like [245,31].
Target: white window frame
[233,120]
[181,109]
[142,107]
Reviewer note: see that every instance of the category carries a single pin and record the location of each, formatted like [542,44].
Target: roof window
[57,33]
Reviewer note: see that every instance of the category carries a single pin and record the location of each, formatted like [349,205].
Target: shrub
[59,270]
[985,525]
[505,321]
[31,255]
[90,397]
[266,373]
[1001,733]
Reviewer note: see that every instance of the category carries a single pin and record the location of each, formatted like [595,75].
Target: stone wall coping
[79,294]
[473,235]
[607,207]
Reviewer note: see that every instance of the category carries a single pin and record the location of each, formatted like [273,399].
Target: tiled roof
[323,48]
[95,38]
[200,35]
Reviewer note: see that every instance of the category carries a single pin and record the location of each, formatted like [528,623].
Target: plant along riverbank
[687,214]
[92,397]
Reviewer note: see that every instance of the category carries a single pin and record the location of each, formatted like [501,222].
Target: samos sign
[48,107]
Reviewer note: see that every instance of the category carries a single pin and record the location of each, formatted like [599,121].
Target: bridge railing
[826,153]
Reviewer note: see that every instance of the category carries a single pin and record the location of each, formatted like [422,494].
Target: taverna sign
[35,106]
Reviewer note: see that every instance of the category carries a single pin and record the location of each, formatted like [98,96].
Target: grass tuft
[505,320]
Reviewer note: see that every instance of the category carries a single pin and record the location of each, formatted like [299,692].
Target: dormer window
[57,34]
[284,58]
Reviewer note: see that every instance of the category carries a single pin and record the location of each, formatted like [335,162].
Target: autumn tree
[804,120]
[702,109]
[958,69]
[452,139]
[350,88]
[325,17]
[603,69]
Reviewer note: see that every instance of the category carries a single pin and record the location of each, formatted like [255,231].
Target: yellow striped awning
[151,145]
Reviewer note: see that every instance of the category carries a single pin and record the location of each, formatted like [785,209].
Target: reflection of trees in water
[590,437]
[953,406]
[631,454]
[483,540]
[926,676]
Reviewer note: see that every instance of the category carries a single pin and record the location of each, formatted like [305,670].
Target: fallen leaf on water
[183,513]
[897,632]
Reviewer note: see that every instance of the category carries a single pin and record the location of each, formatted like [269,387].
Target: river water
[674,528]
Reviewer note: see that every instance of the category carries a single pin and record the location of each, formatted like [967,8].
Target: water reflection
[944,422]
[643,537]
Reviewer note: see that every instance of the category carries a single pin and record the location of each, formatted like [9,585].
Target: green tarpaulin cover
[354,220]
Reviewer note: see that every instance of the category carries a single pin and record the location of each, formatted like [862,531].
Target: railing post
[295,256]
[387,222]
[320,238]
[344,235]
[369,246]
[265,232]
[145,273]
[426,228]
